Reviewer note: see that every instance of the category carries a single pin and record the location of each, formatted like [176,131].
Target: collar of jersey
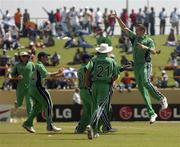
[103,55]
[25,63]
[142,37]
[39,62]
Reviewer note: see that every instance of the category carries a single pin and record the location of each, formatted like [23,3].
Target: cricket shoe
[53,128]
[164,103]
[90,132]
[77,131]
[153,118]
[111,130]
[28,128]
[96,135]
[15,105]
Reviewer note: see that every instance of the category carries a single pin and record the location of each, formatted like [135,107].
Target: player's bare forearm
[45,10]
[114,78]
[59,73]
[19,77]
[152,50]
[87,77]
[53,74]
[121,24]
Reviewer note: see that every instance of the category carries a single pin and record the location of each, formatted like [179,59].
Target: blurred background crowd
[72,25]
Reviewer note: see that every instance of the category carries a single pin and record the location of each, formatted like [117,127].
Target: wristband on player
[149,49]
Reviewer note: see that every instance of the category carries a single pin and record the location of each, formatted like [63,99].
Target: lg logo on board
[126,112]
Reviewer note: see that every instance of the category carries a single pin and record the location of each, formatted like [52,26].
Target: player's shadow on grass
[132,134]
[63,133]
[9,133]
[72,133]
[56,133]
[53,133]
[84,138]
[124,134]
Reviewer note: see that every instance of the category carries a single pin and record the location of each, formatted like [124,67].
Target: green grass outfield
[130,134]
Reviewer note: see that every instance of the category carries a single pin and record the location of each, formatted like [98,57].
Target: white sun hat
[24,54]
[163,71]
[31,43]
[104,48]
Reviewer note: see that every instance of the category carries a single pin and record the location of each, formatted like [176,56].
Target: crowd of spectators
[127,83]
[80,56]
[174,63]
[162,81]
[73,24]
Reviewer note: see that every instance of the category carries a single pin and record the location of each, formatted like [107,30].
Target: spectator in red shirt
[124,17]
[126,83]
[17,18]
[111,22]
[57,16]
[133,19]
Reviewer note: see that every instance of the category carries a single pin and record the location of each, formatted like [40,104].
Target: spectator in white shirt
[64,14]
[98,18]
[87,20]
[74,19]
[174,20]
[7,41]
[80,16]
[162,17]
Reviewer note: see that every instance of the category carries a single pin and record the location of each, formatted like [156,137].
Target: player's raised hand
[129,65]
[115,14]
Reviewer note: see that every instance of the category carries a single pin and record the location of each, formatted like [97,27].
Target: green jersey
[118,66]
[24,69]
[103,68]
[81,73]
[39,75]
[141,56]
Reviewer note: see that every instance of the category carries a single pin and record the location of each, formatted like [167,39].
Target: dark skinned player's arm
[114,78]
[87,77]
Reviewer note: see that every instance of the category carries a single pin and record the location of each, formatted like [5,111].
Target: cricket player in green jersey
[22,72]
[103,71]
[143,47]
[40,95]
[86,97]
